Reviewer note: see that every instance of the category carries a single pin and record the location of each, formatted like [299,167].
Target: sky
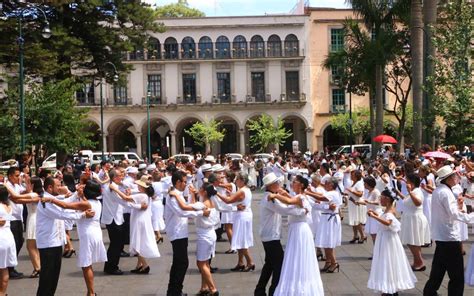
[248,7]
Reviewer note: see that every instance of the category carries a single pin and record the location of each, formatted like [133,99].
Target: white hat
[444,173]
[210,158]
[206,168]
[132,170]
[151,167]
[218,168]
[270,179]
[142,166]
[144,182]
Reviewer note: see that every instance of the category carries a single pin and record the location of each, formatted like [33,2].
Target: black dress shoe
[14,275]
[114,272]
[214,269]
[124,254]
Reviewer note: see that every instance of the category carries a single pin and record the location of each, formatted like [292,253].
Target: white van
[364,150]
[95,158]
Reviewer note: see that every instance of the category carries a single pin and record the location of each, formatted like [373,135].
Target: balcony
[119,101]
[335,109]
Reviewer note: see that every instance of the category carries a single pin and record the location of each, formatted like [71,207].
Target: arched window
[274,46]
[222,48]
[205,48]
[188,48]
[292,46]
[154,49]
[171,48]
[239,47]
[137,53]
[257,47]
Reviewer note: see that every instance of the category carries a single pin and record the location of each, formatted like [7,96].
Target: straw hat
[210,158]
[143,182]
[444,173]
[270,179]
[218,168]
[132,170]
[206,168]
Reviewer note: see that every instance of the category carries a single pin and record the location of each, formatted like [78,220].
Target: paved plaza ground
[351,280]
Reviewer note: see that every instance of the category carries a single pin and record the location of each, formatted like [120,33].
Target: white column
[309,139]
[138,140]
[104,141]
[242,140]
[173,143]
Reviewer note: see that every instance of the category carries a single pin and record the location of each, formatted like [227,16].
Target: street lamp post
[115,78]
[46,33]
[351,122]
[148,94]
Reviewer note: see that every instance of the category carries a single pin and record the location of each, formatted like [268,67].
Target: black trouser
[116,234]
[272,266]
[16,228]
[178,267]
[126,228]
[447,257]
[50,259]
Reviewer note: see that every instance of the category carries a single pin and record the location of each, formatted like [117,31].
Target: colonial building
[231,69]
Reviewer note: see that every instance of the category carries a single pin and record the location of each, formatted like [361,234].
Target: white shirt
[113,206]
[17,209]
[270,217]
[50,231]
[177,219]
[444,214]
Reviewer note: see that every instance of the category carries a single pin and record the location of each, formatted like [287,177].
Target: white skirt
[357,214]
[316,216]
[227,217]
[7,248]
[469,273]
[427,207]
[329,231]
[91,249]
[205,243]
[300,271]
[390,271]
[68,225]
[157,220]
[415,230]
[242,236]
[31,226]
[372,226]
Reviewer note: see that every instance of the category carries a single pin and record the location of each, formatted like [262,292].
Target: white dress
[427,197]
[92,249]
[315,210]
[357,213]
[329,229]
[463,229]
[31,221]
[390,271]
[205,234]
[372,225]
[469,273]
[7,242]
[142,236]
[227,216]
[300,273]
[415,229]
[157,207]
[242,237]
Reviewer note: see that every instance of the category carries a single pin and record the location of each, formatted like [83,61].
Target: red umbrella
[385,139]
[437,154]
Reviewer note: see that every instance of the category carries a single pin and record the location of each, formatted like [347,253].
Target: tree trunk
[401,130]
[207,146]
[372,117]
[430,12]
[379,111]
[416,44]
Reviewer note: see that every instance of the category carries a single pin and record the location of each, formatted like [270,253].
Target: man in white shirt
[270,233]
[17,197]
[51,236]
[445,232]
[177,231]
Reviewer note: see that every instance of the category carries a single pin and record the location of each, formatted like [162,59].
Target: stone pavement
[351,280]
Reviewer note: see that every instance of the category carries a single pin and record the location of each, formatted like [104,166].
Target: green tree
[51,119]
[179,9]
[207,132]
[85,36]
[264,132]
[451,84]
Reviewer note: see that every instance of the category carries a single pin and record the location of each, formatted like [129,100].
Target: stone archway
[297,126]
[332,139]
[122,136]
[184,142]
[93,131]
[231,141]
[160,137]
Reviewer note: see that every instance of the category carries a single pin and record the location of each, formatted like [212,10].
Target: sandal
[35,274]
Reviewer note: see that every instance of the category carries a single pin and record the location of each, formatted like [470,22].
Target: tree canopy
[205,133]
[179,9]
[264,132]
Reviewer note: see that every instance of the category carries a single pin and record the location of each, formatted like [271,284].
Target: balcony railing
[337,109]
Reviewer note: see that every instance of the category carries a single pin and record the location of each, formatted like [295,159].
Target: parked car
[90,157]
[365,150]
[179,157]
[263,156]
[234,156]
[5,165]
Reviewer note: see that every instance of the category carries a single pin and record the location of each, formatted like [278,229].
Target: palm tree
[416,44]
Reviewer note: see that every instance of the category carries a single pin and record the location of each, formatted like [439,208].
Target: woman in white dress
[299,273]
[37,187]
[224,180]
[390,271]
[7,242]
[242,237]
[371,198]
[314,193]
[142,236]
[157,208]
[427,186]
[329,231]
[92,249]
[357,213]
[415,230]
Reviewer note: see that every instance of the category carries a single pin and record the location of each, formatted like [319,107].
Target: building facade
[231,69]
